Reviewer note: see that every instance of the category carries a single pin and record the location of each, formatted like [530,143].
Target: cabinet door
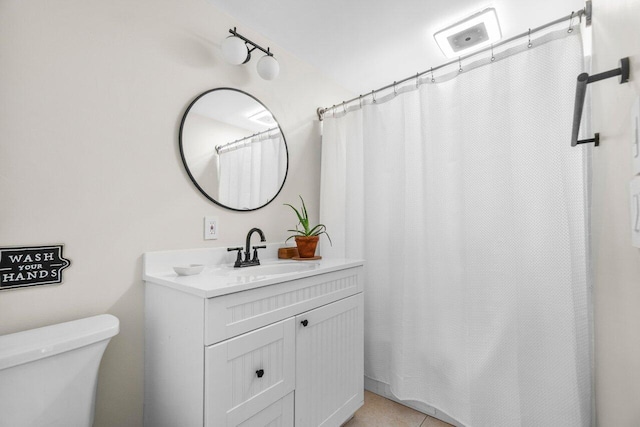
[329,363]
[245,375]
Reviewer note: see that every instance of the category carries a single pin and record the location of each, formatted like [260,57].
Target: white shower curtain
[469,206]
[251,174]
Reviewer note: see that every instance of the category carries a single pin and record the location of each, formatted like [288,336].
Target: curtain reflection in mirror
[247,175]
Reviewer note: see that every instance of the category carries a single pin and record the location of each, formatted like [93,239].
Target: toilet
[48,376]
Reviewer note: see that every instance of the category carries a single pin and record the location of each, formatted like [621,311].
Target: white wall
[616,34]
[91,98]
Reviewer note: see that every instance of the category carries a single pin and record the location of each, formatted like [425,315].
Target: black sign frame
[26,266]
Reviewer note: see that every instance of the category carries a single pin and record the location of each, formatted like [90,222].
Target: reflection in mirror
[233,149]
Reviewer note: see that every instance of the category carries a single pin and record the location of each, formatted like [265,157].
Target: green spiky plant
[303,218]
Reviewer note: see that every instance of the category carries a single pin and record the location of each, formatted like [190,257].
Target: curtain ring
[373,95]
[395,93]
[459,65]
[417,80]
[433,80]
[493,58]
[333,111]
[344,108]
[529,45]
[570,30]
[360,100]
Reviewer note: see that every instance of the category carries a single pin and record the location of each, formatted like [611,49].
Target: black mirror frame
[186,167]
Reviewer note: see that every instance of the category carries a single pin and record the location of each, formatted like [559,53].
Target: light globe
[268,67]
[234,50]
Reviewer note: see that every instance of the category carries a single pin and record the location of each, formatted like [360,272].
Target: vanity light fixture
[473,33]
[237,50]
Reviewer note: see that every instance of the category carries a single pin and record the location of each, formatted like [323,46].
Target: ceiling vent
[471,34]
[263,117]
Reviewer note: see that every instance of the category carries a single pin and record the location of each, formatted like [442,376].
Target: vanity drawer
[279,414]
[247,374]
[234,314]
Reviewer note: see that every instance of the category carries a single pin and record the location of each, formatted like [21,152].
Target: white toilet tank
[48,376]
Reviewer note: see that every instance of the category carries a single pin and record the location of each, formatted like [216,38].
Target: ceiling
[367,44]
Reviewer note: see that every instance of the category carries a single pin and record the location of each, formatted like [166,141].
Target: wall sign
[31,266]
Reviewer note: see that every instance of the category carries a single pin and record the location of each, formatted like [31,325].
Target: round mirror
[233,149]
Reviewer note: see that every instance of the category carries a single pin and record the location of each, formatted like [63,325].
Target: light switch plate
[211,225]
[635,136]
[634,193]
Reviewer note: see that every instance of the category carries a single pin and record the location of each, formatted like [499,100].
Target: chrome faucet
[248,261]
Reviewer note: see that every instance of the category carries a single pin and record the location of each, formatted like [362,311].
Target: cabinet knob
[305,322]
[260,373]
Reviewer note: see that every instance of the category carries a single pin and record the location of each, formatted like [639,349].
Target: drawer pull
[305,322]
[260,373]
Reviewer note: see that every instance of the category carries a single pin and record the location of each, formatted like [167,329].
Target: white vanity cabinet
[285,353]
[329,363]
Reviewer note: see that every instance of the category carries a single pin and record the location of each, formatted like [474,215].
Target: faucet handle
[255,251]
[239,257]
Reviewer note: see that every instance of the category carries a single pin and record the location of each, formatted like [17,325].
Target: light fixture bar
[237,50]
[246,40]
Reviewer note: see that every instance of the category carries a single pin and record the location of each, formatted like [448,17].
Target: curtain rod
[582,12]
[221,147]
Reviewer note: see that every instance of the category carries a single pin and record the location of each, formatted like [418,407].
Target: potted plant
[307,237]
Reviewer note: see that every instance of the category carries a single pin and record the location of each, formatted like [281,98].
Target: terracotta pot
[307,246]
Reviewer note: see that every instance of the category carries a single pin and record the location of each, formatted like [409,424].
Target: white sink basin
[272,269]
[219,277]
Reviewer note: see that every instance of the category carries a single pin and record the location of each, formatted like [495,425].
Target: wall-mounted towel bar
[581,89]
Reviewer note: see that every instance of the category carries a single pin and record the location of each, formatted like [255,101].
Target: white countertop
[220,278]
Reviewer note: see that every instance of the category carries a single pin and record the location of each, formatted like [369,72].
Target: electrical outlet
[210,227]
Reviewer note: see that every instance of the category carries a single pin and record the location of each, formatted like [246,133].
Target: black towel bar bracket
[581,90]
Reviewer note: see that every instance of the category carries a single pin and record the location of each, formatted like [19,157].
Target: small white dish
[188,270]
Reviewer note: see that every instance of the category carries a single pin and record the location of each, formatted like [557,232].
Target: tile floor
[380,412]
